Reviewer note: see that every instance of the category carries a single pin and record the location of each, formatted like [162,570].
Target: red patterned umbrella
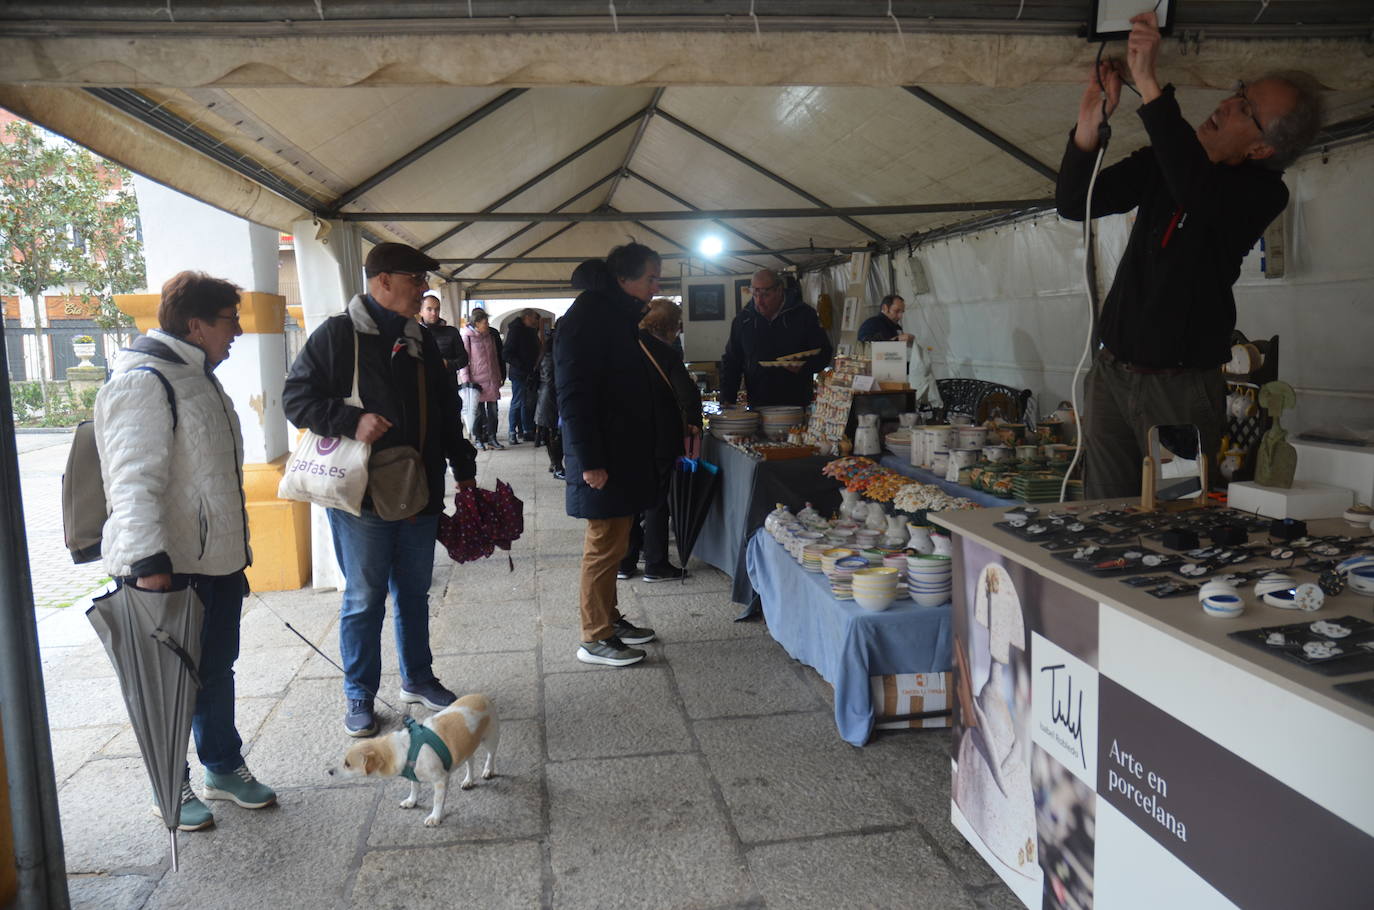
[482,521]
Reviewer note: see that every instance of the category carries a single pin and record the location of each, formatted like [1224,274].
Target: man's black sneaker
[431,694]
[481,446]
[560,475]
[632,634]
[494,444]
[359,721]
[609,651]
[669,572]
[627,570]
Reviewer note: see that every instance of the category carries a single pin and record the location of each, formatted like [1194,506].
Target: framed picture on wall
[705,302]
[850,322]
[742,294]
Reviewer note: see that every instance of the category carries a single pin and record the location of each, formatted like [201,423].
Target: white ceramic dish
[930,600]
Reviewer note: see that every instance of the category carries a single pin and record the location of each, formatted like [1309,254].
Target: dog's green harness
[421,736]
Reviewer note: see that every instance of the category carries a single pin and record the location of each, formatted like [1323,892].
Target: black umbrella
[693,486]
[153,639]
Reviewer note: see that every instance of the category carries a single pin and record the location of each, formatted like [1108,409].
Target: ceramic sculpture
[1277,460]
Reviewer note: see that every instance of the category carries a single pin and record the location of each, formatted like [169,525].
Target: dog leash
[405,714]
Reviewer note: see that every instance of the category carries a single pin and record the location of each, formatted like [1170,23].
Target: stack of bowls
[875,588]
[734,422]
[833,555]
[873,555]
[896,561]
[929,579]
[778,419]
[842,575]
[801,540]
[866,537]
[811,556]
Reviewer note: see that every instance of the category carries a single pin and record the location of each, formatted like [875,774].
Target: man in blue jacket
[773,325]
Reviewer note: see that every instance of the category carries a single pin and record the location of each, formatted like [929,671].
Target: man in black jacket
[522,359]
[770,327]
[407,399]
[886,324]
[1204,198]
[446,337]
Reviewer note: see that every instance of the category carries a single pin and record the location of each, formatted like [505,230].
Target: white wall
[1008,305]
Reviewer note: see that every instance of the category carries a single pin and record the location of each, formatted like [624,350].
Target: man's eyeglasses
[417,277]
[1245,108]
[759,292]
[234,318]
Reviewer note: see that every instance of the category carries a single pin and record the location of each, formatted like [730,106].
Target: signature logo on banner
[1064,708]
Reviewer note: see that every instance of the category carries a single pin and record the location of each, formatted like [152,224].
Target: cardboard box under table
[848,645]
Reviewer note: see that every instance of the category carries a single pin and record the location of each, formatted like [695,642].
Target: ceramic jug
[920,539]
[848,500]
[943,545]
[866,439]
[895,531]
[875,519]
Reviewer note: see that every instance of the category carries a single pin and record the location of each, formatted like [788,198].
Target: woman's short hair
[630,260]
[477,315]
[662,319]
[193,295]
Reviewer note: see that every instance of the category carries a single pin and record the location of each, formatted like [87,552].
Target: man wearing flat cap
[408,399]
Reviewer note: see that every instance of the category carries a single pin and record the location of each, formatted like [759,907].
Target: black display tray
[1356,649]
[1106,554]
[1052,528]
[1363,690]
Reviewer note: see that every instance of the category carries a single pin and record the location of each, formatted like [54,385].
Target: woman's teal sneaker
[195,815]
[239,785]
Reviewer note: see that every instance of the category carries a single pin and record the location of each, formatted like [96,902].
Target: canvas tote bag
[396,476]
[330,471]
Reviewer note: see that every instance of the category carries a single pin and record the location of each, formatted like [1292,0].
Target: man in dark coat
[886,324]
[608,436]
[1203,197]
[408,399]
[522,359]
[768,328]
[446,337]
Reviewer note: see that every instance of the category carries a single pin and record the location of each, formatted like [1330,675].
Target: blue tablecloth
[986,500]
[844,642]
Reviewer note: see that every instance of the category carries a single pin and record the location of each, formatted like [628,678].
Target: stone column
[329,264]
[182,233]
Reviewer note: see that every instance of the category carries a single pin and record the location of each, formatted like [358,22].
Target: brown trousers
[602,549]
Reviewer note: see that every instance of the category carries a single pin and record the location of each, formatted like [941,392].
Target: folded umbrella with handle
[690,491]
[153,639]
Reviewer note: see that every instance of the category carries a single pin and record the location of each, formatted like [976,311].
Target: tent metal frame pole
[541,176]
[529,249]
[964,120]
[428,146]
[639,224]
[727,254]
[464,263]
[721,224]
[776,178]
[39,856]
[604,214]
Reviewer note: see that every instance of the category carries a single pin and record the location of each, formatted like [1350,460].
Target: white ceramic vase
[848,500]
[896,532]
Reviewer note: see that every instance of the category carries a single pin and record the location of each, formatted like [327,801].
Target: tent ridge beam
[428,146]
[843,212]
[544,174]
[634,143]
[776,178]
[979,129]
[683,202]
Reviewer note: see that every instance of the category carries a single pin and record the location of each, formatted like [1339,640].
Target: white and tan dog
[463,726]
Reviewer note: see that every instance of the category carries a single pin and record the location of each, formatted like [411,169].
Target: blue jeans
[521,416]
[217,739]
[376,556]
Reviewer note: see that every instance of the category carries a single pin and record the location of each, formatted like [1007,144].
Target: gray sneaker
[611,652]
[631,634]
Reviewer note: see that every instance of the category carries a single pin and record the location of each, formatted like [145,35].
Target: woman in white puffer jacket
[171,457]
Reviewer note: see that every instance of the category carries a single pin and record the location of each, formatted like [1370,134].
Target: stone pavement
[709,776]
[56,581]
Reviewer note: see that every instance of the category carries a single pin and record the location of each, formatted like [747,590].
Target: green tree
[67,219]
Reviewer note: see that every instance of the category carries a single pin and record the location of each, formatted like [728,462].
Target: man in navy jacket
[772,326]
